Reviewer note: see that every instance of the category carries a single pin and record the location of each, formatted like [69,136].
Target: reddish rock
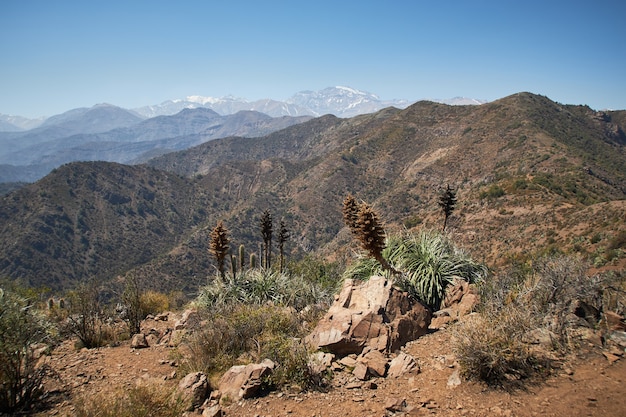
[402,364]
[371,314]
[244,381]
[194,389]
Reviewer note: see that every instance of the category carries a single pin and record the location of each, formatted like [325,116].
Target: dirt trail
[588,385]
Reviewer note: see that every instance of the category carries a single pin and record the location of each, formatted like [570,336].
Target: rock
[360,371]
[614,321]
[402,364]
[189,320]
[194,389]
[373,314]
[619,338]
[244,381]
[440,322]
[214,411]
[376,363]
[161,317]
[460,299]
[454,380]
[395,405]
[320,362]
[139,341]
[348,361]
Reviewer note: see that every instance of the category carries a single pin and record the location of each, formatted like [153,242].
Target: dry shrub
[491,348]
[241,334]
[550,296]
[139,401]
[153,302]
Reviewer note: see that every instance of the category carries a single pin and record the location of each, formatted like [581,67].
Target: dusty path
[589,386]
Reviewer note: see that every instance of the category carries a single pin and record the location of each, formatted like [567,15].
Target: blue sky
[59,55]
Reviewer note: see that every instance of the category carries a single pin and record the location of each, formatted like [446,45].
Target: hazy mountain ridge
[530,174]
[55,144]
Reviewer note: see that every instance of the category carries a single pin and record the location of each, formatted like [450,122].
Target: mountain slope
[531,176]
[93,220]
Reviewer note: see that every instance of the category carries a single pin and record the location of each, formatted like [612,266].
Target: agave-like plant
[260,286]
[426,264]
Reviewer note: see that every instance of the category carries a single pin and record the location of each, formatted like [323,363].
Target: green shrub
[153,302]
[494,191]
[21,329]
[260,286]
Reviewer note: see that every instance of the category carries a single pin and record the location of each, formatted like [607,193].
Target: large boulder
[371,314]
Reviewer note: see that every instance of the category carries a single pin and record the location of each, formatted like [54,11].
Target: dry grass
[139,401]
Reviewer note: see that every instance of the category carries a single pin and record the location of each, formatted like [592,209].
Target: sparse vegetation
[22,330]
[87,318]
[138,401]
[539,301]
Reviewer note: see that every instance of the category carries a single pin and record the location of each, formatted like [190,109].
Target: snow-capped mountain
[10,123]
[342,101]
[225,106]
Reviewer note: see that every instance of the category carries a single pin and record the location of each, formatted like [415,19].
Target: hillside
[532,175]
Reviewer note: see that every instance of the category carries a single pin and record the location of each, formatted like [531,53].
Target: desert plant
[219,246]
[266,233]
[283,235]
[426,263]
[86,316]
[535,298]
[366,227]
[490,348]
[239,333]
[131,299]
[260,286]
[21,329]
[447,202]
[153,302]
[430,262]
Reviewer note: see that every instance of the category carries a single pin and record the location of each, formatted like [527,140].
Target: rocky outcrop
[461,299]
[372,314]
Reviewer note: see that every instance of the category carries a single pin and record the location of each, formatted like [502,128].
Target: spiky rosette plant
[425,265]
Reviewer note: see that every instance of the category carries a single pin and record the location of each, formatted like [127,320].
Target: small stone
[610,357]
[139,341]
[395,405]
[454,380]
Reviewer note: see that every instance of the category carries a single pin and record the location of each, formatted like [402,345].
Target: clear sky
[59,55]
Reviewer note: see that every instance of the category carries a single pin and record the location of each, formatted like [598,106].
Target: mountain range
[110,133]
[532,176]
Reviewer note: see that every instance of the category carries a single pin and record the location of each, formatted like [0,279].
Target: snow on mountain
[9,123]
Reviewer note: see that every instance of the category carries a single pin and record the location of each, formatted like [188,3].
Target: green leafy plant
[260,286]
